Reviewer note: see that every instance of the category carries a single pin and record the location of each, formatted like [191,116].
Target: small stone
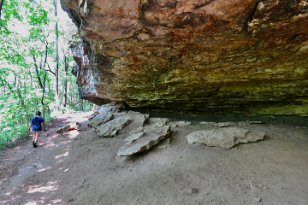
[207,123]
[191,191]
[224,124]
[223,200]
[258,199]
[194,190]
[37,166]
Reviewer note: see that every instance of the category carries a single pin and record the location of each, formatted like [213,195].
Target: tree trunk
[55,3]
[42,82]
[79,103]
[37,72]
[21,99]
[1,4]
[44,88]
[66,80]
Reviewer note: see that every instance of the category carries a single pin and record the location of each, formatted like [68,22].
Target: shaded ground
[80,168]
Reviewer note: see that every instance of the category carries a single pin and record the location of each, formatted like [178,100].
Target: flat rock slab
[230,124]
[104,114]
[137,121]
[112,127]
[151,135]
[224,137]
[135,136]
[100,119]
[179,123]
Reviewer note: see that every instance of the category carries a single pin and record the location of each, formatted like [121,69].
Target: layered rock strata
[201,55]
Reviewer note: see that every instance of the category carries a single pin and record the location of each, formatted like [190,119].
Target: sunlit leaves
[35,33]
[10,10]
[38,16]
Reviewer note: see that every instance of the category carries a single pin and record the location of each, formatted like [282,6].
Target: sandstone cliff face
[201,55]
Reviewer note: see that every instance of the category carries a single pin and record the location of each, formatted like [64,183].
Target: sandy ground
[81,168]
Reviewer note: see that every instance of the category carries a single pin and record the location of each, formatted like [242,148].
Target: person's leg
[37,135]
[33,137]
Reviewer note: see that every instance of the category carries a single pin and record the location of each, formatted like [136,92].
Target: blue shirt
[36,123]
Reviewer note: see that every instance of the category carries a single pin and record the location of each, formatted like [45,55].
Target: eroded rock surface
[224,137]
[152,133]
[112,127]
[137,121]
[205,55]
[104,114]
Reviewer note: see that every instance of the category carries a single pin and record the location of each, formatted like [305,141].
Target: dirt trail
[80,168]
[22,168]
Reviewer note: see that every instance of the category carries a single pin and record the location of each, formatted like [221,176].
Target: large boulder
[205,55]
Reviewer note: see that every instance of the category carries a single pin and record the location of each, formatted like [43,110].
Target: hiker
[37,125]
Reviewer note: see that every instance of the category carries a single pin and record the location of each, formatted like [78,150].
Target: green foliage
[27,68]
[38,16]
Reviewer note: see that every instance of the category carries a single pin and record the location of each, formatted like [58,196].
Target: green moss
[282,110]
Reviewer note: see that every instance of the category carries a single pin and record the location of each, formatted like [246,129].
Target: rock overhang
[202,55]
